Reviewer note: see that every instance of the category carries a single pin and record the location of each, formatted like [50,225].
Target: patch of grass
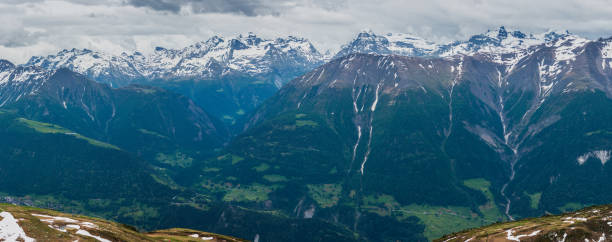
[211,169]
[139,211]
[219,90]
[601,131]
[98,203]
[176,159]
[43,127]
[438,220]
[489,209]
[148,132]
[145,90]
[275,178]
[570,207]
[443,220]
[252,193]
[261,167]
[534,199]
[310,123]
[479,184]
[179,234]
[162,177]
[234,158]
[300,115]
[56,129]
[333,171]
[240,112]
[382,204]
[326,195]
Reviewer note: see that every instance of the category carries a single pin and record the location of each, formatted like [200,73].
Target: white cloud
[41,27]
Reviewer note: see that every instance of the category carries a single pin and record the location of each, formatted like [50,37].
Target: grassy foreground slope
[589,224]
[48,225]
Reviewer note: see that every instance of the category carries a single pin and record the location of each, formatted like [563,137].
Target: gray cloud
[17,38]
[41,27]
[242,7]
[159,5]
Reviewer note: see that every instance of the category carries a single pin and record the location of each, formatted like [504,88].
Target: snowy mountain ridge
[213,58]
[17,81]
[254,56]
[503,46]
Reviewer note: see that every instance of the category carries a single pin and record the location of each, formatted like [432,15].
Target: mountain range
[227,76]
[393,138]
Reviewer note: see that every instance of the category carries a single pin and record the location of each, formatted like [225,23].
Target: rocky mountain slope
[140,119]
[227,76]
[371,137]
[30,224]
[590,224]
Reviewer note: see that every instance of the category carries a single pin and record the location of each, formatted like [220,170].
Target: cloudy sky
[41,27]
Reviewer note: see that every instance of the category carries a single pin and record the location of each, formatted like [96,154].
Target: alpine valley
[392,138]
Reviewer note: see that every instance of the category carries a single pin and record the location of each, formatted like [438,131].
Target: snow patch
[602,155]
[89,225]
[509,235]
[572,220]
[86,233]
[602,238]
[566,48]
[606,50]
[310,212]
[10,229]
[373,108]
[73,226]
[365,157]
[52,219]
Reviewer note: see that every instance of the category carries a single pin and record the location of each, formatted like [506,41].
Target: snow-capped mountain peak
[213,58]
[5,64]
[498,42]
[503,45]
[368,42]
[116,70]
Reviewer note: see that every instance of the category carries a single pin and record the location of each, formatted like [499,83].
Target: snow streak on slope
[355,95]
[372,109]
[10,229]
[502,117]
[606,50]
[602,155]
[458,75]
[566,49]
